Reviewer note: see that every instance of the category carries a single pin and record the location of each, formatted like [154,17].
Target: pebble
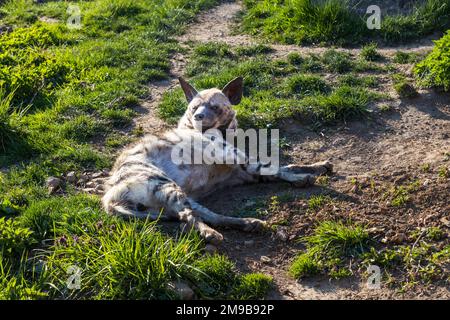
[265,259]
[183,290]
[53,184]
[281,234]
[83,178]
[71,177]
[89,190]
[91,184]
[97,175]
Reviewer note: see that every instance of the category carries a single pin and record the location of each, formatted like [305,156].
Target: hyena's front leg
[177,204]
[300,176]
[218,220]
[305,175]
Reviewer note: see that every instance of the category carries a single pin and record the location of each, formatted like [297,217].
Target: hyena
[146,183]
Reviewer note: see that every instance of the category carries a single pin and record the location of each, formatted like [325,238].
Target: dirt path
[413,133]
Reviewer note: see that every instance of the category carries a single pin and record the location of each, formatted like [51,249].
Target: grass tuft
[328,247]
[337,22]
[369,52]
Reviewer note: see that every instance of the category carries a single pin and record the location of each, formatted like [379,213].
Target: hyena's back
[145,175]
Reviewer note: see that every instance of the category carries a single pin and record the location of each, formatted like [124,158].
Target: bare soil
[385,151]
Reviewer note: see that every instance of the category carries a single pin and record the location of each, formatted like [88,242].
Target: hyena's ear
[233,90]
[189,91]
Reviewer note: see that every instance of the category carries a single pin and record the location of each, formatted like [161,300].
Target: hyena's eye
[213,107]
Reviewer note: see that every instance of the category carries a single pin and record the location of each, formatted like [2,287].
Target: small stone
[71,177]
[105,172]
[183,290]
[89,190]
[53,184]
[281,234]
[97,174]
[83,178]
[265,259]
[249,243]
[91,184]
[210,249]
[426,182]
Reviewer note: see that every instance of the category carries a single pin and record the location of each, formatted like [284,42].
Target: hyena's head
[211,108]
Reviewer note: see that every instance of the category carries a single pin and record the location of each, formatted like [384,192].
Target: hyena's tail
[115,202]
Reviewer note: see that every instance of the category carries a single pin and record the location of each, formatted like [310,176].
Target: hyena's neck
[231,125]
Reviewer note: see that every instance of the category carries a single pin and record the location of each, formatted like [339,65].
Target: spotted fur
[146,183]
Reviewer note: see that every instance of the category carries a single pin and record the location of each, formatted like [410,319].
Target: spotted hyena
[145,181]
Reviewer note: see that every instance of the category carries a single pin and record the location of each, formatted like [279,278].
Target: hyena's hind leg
[218,220]
[178,205]
[133,198]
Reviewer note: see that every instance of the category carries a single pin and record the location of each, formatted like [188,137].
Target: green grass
[434,70]
[328,248]
[403,87]
[318,201]
[400,195]
[444,172]
[369,52]
[304,84]
[354,80]
[119,259]
[424,263]
[337,61]
[301,21]
[276,90]
[402,57]
[332,21]
[430,17]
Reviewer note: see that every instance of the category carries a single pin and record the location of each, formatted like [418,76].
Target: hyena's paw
[318,168]
[210,235]
[299,180]
[323,167]
[253,225]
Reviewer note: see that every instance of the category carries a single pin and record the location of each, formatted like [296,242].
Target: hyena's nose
[199,116]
